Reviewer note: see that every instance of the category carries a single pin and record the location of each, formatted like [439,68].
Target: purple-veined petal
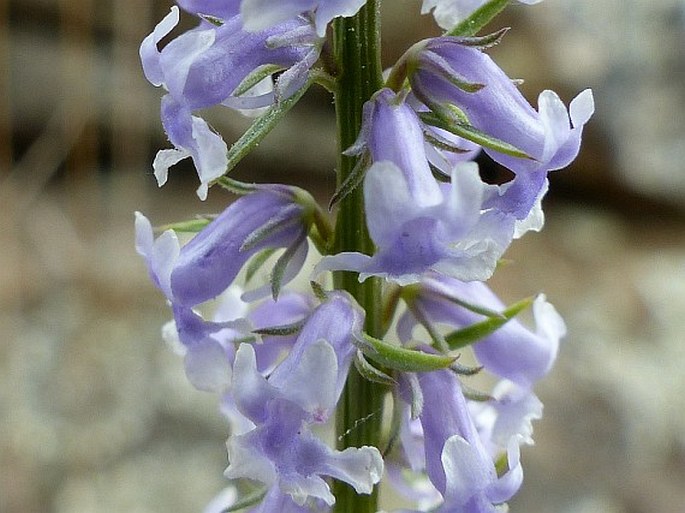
[393,133]
[360,467]
[512,351]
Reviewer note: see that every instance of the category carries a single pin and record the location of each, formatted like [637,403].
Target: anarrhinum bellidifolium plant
[417,233]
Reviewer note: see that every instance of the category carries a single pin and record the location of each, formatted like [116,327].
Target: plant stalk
[356,46]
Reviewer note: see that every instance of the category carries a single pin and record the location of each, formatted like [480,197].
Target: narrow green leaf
[217,22]
[436,337]
[351,182]
[284,330]
[236,186]
[479,18]
[281,265]
[473,333]
[441,143]
[189,226]
[471,133]
[370,372]
[402,359]
[465,370]
[257,262]
[472,307]
[475,395]
[255,78]
[268,229]
[247,501]
[484,42]
[438,174]
[262,126]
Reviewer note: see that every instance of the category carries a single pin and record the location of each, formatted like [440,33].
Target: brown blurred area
[95,412]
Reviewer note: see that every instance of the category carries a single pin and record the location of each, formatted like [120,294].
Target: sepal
[283,330]
[279,275]
[371,373]
[257,262]
[195,225]
[466,336]
[443,117]
[478,18]
[261,127]
[400,358]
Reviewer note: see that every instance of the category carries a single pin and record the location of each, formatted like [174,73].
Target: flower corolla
[302,391]
[416,223]
[457,461]
[273,216]
[513,351]
[453,71]
[204,67]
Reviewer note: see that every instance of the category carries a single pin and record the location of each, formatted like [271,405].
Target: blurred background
[95,412]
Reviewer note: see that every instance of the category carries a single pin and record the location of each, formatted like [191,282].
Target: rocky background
[95,412]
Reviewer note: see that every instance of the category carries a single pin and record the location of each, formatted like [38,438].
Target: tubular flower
[513,351]
[204,66]
[457,461]
[550,136]
[282,450]
[417,224]
[273,216]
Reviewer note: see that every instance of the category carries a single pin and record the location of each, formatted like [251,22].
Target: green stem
[356,47]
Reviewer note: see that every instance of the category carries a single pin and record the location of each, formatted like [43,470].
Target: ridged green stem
[356,46]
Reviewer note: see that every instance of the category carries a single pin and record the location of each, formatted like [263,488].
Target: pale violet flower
[282,450]
[416,223]
[457,461]
[549,136]
[448,13]
[261,14]
[273,216]
[513,351]
[203,67]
